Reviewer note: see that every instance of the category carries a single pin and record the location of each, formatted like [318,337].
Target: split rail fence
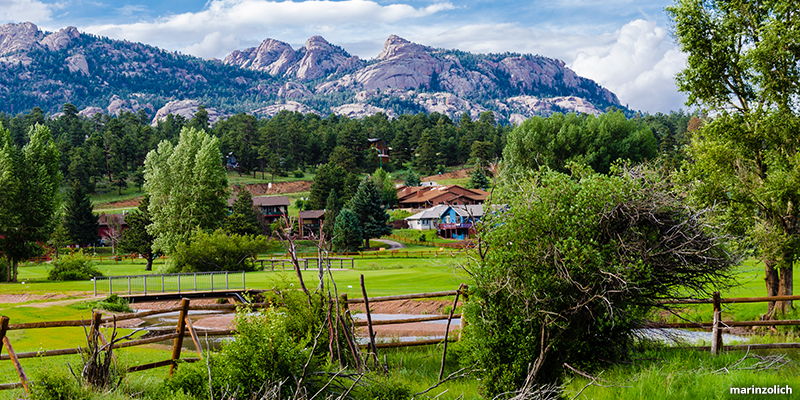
[717,325]
[185,328]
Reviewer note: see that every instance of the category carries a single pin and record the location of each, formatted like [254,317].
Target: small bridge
[163,284]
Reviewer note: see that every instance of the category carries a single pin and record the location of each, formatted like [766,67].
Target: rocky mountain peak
[18,37]
[396,46]
[59,40]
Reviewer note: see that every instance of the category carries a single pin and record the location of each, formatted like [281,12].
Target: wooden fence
[717,325]
[466,244]
[185,328]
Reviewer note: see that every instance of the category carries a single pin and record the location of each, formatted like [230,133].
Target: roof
[474,210]
[265,201]
[420,194]
[311,214]
[431,213]
[119,219]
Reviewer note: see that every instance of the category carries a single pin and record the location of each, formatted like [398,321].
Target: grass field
[652,374]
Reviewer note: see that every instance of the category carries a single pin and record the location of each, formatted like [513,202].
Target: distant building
[271,207]
[310,222]
[418,197]
[427,219]
[458,221]
[111,226]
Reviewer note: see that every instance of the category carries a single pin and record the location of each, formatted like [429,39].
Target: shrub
[218,251]
[76,267]
[387,389]
[51,384]
[299,174]
[574,263]
[112,303]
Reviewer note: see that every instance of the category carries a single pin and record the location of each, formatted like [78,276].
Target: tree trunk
[786,288]
[149,258]
[14,265]
[8,270]
[772,281]
[366,243]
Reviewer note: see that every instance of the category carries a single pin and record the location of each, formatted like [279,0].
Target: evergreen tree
[478,180]
[386,187]
[136,239]
[332,208]
[367,204]
[244,219]
[81,223]
[329,177]
[412,179]
[346,232]
[427,157]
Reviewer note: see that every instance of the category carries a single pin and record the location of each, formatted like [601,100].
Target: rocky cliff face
[102,75]
[316,59]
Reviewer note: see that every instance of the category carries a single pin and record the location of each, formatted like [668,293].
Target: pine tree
[81,223]
[136,239]
[367,204]
[332,208]
[346,232]
[427,157]
[243,220]
[478,180]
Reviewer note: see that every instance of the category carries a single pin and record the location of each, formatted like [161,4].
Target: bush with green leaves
[271,352]
[75,267]
[57,384]
[573,265]
[112,303]
[218,251]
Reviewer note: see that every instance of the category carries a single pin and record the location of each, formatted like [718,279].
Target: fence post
[3,330]
[95,285]
[181,330]
[195,281]
[716,333]
[162,283]
[129,285]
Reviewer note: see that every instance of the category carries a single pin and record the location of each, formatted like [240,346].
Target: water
[683,337]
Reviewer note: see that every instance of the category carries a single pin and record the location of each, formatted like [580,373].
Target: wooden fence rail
[184,328]
[717,325]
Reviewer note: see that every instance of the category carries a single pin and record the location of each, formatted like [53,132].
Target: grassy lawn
[653,373]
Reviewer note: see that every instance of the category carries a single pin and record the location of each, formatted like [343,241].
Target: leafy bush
[51,384]
[270,350]
[575,262]
[76,267]
[218,251]
[299,174]
[387,389]
[112,303]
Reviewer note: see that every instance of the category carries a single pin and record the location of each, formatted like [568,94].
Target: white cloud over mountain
[25,10]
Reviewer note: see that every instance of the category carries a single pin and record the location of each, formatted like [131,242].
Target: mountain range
[98,74]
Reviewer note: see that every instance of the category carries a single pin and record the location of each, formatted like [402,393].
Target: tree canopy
[556,140]
[136,239]
[187,186]
[742,66]
[79,218]
[29,180]
[367,205]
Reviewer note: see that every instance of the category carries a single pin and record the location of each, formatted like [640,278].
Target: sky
[624,45]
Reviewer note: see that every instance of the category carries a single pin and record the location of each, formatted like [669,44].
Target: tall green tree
[562,138]
[332,208]
[742,66]
[386,186]
[243,219]
[329,177]
[367,204]
[136,239]
[29,180]
[79,219]
[346,232]
[187,186]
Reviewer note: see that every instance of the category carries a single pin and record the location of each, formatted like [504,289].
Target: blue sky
[624,45]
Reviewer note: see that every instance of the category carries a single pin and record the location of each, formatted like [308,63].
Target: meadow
[653,372]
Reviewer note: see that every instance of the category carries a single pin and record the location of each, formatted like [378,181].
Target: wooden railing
[717,325]
[448,245]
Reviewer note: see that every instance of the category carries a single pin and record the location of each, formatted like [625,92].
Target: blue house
[457,221]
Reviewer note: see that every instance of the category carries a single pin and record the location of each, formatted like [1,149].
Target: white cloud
[246,19]
[638,62]
[213,44]
[639,67]
[24,10]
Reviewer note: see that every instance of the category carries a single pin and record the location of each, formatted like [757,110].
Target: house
[310,221]
[427,219]
[110,227]
[381,146]
[458,221]
[271,207]
[426,196]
